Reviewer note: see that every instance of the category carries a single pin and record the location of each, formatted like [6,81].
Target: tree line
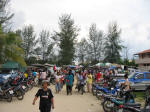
[60,47]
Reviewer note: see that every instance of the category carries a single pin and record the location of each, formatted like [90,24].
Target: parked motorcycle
[6,92]
[112,89]
[112,103]
[132,108]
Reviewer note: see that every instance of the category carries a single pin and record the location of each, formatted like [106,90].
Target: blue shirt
[34,73]
[69,80]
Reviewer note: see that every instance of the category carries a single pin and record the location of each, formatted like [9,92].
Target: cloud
[132,16]
[18,20]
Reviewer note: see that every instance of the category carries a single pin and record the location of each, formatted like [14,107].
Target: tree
[46,44]
[66,39]
[9,48]
[113,44]
[82,50]
[95,43]
[5,15]
[9,41]
[28,40]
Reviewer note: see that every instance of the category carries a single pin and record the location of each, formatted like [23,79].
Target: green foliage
[66,39]
[9,49]
[113,45]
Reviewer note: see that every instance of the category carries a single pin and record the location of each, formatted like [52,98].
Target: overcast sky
[132,16]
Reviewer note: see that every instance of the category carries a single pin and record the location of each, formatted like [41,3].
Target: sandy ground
[63,103]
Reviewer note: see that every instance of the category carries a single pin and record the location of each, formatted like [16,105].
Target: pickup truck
[138,80]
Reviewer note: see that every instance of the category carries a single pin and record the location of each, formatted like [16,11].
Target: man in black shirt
[46,98]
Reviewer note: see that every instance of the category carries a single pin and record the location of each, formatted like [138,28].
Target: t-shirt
[43,75]
[98,76]
[45,97]
[58,77]
[69,80]
[25,75]
[34,74]
[89,78]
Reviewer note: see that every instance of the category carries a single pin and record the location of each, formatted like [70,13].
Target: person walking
[89,81]
[57,86]
[69,82]
[46,98]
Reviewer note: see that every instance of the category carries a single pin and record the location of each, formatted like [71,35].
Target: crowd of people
[74,77]
[70,77]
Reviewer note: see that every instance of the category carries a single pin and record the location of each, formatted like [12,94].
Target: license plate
[11,92]
[23,87]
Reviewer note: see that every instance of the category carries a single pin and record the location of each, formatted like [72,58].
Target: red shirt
[98,76]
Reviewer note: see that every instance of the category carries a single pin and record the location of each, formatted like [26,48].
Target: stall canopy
[100,64]
[13,65]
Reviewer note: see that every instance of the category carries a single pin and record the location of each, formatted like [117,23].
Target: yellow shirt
[89,78]
[25,75]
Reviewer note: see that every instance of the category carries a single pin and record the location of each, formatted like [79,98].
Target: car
[5,74]
[138,80]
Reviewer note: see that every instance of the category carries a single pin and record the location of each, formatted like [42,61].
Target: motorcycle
[80,87]
[18,92]
[112,103]
[6,92]
[113,89]
[16,86]
[132,108]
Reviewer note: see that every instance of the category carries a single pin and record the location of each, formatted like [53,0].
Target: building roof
[143,52]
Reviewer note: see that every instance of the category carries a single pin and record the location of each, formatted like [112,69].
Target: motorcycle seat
[133,104]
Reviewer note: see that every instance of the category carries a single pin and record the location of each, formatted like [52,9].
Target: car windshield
[131,75]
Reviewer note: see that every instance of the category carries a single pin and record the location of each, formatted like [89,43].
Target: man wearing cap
[46,98]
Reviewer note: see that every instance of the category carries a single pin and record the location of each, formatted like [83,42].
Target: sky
[132,16]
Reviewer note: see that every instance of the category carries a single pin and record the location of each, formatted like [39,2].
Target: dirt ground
[63,103]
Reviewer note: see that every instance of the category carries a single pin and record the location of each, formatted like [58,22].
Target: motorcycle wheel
[82,90]
[26,89]
[9,97]
[30,86]
[99,95]
[148,92]
[107,107]
[93,91]
[19,95]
